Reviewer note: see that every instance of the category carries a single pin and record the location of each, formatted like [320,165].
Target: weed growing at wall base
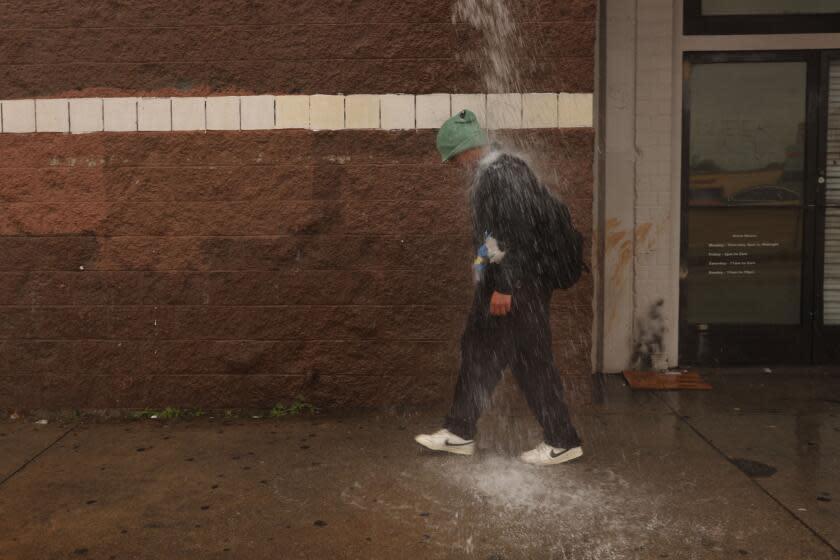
[298,406]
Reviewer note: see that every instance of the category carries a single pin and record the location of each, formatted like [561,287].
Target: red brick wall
[54,48]
[241,268]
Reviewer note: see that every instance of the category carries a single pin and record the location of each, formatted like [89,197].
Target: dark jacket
[508,204]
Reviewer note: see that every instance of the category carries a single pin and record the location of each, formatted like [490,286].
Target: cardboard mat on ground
[666,381]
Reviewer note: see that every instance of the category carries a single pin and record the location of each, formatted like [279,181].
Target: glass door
[748,222]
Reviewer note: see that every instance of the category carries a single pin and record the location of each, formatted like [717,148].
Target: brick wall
[52,48]
[239,268]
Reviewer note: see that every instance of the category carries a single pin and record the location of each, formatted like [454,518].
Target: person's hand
[499,304]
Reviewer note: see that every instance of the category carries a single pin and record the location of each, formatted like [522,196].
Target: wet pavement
[748,470]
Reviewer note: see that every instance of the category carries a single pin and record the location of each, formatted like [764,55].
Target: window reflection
[745,178]
[747,139]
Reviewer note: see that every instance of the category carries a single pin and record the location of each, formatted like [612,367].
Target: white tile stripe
[310,112]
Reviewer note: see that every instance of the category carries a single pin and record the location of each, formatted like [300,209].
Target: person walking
[525,248]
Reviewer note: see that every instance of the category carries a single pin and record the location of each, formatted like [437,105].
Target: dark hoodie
[508,207]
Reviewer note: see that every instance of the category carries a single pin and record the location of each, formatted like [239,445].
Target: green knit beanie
[459,134]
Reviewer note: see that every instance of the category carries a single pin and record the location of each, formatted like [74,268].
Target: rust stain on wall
[619,253]
[617,242]
[642,231]
[613,237]
[621,250]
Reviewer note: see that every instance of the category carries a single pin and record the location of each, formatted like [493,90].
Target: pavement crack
[37,455]
[766,492]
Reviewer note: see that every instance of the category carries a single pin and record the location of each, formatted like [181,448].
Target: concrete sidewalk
[749,470]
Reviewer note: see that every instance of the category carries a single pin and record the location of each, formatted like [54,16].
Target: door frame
[757,344]
[695,23]
[824,351]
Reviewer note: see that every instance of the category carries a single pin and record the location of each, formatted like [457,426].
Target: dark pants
[522,340]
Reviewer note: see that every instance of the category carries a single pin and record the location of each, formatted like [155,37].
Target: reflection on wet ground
[787,424]
[747,470]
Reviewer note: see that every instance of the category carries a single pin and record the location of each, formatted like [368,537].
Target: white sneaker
[444,440]
[544,454]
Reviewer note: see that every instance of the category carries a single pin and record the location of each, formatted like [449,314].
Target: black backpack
[561,247]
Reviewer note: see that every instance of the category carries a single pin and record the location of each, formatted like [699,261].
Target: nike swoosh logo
[555,455]
[446,443]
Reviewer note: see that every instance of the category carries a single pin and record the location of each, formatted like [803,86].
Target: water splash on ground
[575,512]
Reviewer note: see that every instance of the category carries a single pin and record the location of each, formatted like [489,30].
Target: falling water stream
[500,55]
[579,511]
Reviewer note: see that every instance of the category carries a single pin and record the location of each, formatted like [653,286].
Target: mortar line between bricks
[204,272]
[214,166]
[415,24]
[230,306]
[199,272]
[365,235]
[163,374]
[420,165]
[221,202]
[36,456]
[310,236]
[227,307]
[262,200]
[273,60]
[362,235]
[453,340]
[752,480]
[260,341]
[227,235]
[249,271]
[255,340]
